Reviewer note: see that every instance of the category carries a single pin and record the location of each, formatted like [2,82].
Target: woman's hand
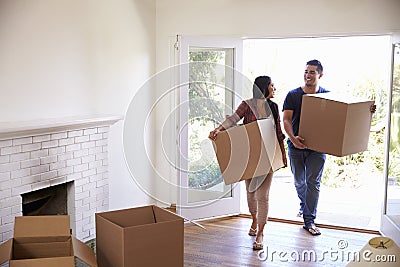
[225,125]
[284,160]
[213,134]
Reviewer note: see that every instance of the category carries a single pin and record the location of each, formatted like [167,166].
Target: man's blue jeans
[307,167]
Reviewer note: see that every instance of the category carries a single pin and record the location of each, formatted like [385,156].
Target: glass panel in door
[209,102]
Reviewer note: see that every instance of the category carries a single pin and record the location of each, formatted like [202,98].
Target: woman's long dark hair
[261,91]
[270,105]
[260,87]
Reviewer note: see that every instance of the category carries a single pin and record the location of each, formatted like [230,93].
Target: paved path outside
[353,207]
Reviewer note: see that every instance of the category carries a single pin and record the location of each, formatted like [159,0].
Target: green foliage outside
[205,113]
[350,171]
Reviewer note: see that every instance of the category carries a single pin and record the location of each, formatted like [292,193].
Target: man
[306,165]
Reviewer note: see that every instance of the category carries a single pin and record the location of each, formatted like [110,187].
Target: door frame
[222,206]
[388,227]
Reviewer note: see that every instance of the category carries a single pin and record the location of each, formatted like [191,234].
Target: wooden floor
[225,242]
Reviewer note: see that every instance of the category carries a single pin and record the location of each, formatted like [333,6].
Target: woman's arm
[230,120]
[224,125]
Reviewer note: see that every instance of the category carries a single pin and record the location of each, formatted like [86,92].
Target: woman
[258,107]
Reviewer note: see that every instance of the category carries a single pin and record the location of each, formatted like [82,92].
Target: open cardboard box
[248,151]
[44,241]
[335,124]
[144,236]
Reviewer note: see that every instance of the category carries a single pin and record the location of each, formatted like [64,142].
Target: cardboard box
[44,241]
[335,124]
[145,236]
[247,151]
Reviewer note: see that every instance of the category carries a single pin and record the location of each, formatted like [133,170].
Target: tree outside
[206,111]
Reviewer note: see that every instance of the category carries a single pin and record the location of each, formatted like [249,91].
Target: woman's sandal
[252,232]
[258,246]
[312,229]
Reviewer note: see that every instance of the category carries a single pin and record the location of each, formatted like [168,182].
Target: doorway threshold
[321,225]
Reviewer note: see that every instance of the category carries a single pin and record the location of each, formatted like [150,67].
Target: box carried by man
[335,124]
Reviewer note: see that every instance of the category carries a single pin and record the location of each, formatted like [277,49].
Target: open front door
[390,223]
[210,75]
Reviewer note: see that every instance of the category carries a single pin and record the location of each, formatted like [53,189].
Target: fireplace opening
[51,200]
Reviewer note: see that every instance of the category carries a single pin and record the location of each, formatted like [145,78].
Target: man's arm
[287,124]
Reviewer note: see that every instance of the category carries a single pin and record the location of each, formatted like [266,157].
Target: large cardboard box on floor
[247,151]
[44,241]
[335,124]
[145,236]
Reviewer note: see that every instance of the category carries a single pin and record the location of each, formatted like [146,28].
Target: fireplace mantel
[14,129]
[39,154]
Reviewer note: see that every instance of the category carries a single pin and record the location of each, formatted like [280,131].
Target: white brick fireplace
[40,154]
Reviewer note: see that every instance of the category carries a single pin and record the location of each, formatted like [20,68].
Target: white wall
[266,19]
[44,63]
[123,58]
[123,53]
[72,57]
[269,18]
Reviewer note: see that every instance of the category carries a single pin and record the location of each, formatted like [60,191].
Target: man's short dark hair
[315,62]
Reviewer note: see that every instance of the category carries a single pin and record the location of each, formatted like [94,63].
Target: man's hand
[297,142]
[373,108]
